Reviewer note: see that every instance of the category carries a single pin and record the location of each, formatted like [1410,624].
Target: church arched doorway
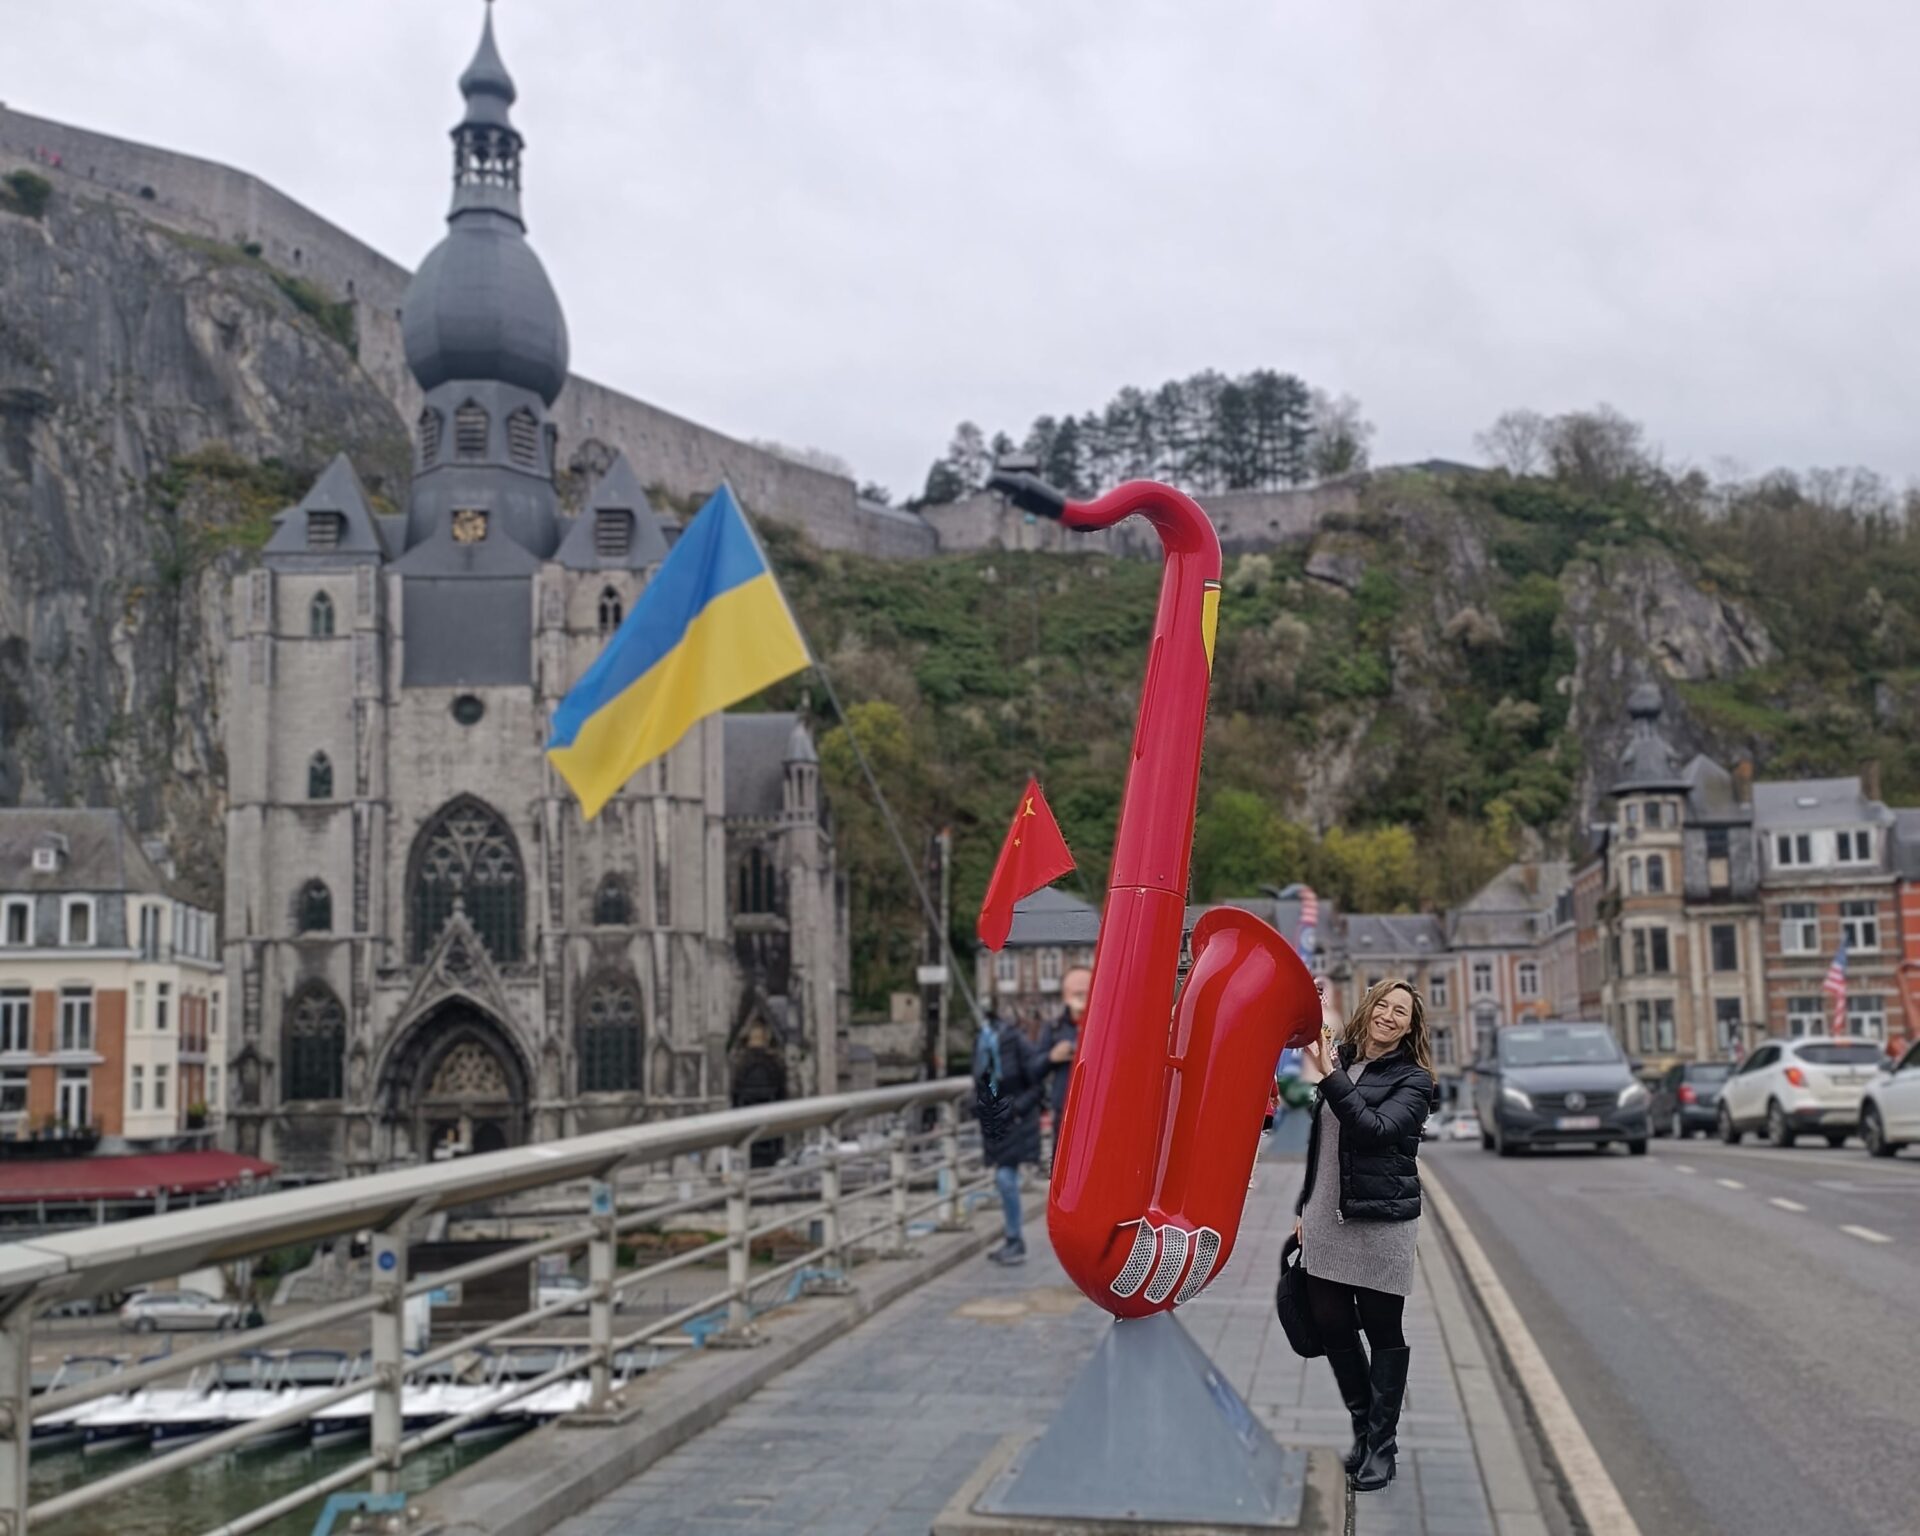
[457,1085]
[758,1072]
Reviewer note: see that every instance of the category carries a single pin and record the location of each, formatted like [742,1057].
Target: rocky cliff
[160,398]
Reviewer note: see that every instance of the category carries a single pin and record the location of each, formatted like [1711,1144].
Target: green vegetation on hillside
[24,193]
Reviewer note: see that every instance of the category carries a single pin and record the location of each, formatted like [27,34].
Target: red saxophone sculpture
[1162,1122]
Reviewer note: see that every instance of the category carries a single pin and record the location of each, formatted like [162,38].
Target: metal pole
[739,1255]
[16,1430]
[601,1253]
[950,1163]
[830,1225]
[389,1353]
[897,1175]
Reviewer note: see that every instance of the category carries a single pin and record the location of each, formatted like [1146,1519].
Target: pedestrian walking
[1359,1209]
[1064,1029]
[1010,1088]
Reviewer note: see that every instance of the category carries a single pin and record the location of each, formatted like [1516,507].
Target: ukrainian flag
[710,629]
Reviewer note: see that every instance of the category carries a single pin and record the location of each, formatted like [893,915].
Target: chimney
[1870,778]
[1743,781]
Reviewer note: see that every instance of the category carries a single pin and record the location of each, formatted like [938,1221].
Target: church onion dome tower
[486,340]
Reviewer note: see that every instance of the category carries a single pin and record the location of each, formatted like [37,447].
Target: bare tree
[1597,449]
[1516,442]
[1339,436]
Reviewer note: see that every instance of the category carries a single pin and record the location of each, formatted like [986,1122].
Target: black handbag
[1290,1301]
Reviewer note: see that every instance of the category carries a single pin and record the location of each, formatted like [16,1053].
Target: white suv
[1790,1086]
[1890,1117]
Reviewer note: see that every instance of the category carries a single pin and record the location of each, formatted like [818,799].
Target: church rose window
[320,777]
[431,424]
[611,909]
[468,709]
[523,438]
[316,907]
[468,854]
[610,1039]
[320,616]
[316,1044]
[470,431]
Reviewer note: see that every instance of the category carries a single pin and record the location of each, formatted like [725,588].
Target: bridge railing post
[16,1413]
[389,1340]
[739,1246]
[951,1215]
[897,1172]
[602,1251]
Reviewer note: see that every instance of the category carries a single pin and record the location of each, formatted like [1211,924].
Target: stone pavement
[873,1435]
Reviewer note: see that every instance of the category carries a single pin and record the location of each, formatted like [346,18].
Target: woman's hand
[1318,1056]
[1297,1221]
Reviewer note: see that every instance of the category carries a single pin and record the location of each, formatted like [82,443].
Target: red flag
[1034,854]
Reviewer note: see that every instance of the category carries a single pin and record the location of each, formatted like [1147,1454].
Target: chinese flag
[1034,854]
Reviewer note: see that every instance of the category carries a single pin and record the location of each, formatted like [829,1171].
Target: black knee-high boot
[1388,1378]
[1356,1391]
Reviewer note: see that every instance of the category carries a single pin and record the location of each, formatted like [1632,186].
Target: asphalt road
[1737,1329]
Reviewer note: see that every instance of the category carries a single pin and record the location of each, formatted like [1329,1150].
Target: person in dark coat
[1359,1210]
[1011,1086]
[1065,1030]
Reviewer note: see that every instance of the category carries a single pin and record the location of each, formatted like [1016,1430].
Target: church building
[428,950]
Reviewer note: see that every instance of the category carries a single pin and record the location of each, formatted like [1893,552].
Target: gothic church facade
[427,948]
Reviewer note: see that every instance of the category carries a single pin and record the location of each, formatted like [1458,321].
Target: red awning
[127,1178]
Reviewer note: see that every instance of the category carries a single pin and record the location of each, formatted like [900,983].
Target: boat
[62,1427]
[117,1422]
[273,1384]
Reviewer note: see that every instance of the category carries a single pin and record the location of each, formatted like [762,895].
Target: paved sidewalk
[873,1435]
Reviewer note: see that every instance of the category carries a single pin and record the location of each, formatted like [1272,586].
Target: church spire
[486,145]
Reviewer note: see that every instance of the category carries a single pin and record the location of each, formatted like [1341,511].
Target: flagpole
[866,769]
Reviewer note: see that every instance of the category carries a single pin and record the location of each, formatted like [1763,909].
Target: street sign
[930,975]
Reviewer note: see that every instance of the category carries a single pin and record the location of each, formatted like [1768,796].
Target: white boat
[114,1423]
[274,1384]
[62,1427]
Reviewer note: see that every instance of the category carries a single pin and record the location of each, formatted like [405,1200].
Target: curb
[542,1478]
[1595,1498]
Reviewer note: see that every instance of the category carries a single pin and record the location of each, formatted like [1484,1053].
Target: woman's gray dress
[1374,1254]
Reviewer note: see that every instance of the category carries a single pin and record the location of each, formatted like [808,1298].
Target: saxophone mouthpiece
[1014,478]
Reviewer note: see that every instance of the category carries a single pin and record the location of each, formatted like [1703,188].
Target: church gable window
[610,1039]
[470,430]
[759,882]
[315,908]
[319,777]
[324,530]
[523,438]
[431,425]
[467,854]
[612,533]
[611,908]
[315,1046]
[611,611]
[320,615]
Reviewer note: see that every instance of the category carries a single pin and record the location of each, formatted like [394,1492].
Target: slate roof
[1647,760]
[1815,803]
[757,748]
[101,852]
[1052,916]
[618,490]
[1504,912]
[1711,796]
[1906,844]
[1394,934]
[338,490]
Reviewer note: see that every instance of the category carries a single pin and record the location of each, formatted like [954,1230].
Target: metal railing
[43,1272]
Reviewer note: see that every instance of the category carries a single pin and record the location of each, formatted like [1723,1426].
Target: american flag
[1835,986]
[1309,922]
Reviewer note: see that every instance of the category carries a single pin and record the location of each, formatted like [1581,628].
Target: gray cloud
[849,223]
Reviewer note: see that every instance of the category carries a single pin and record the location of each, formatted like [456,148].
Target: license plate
[1577,1123]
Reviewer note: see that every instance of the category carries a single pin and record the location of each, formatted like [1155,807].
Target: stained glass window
[316,1044]
[319,777]
[467,853]
[611,909]
[610,1039]
[316,907]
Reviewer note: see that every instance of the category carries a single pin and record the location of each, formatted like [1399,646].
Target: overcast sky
[850,223]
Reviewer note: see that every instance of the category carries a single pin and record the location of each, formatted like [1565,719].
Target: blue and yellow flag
[710,629]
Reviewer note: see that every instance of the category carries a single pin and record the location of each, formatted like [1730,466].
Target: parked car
[1788,1087]
[1555,1084]
[1686,1099]
[1890,1110]
[176,1311]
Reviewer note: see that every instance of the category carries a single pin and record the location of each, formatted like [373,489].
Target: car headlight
[1633,1096]
[1516,1096]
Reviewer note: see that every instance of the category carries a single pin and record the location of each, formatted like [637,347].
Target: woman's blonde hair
[1417,1038]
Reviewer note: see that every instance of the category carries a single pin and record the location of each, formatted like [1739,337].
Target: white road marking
[1599,1501]
[1729,1183]
[1867,1234]
[1786,1205]
[1684,1168]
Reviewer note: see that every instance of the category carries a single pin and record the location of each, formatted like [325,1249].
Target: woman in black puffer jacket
[1359,1210]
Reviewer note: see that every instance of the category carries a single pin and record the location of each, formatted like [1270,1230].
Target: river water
[200,1498]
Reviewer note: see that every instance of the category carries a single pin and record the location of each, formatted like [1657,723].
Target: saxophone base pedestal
[1151,1438]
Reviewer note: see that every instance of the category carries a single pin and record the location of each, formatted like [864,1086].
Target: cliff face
[160,398]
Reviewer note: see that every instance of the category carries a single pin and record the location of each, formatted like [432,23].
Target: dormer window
[523,438]
[46,858]
[469,525]
[612,533]
[1792,850]
[320,616]
[1854,847]
[76,921]
[431,424]
[16,922]
[324,530]
[470,431]
[611,611]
